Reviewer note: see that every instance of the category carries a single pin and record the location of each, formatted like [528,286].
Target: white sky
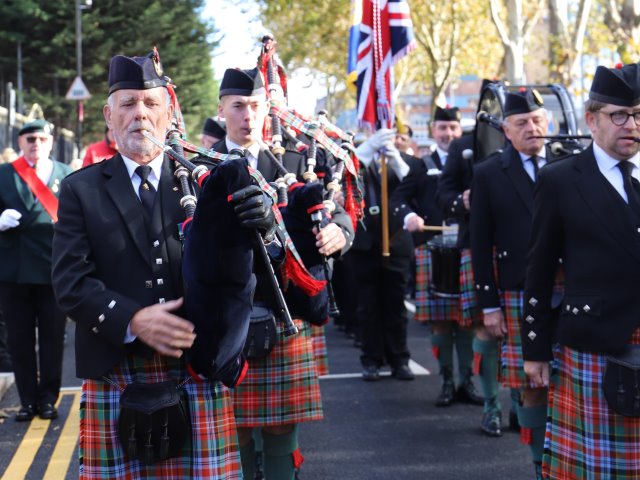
[240,47]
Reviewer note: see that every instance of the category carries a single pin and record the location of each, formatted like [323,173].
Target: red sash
[28,174]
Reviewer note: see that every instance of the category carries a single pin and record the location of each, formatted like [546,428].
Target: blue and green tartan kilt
[430,308]
[211,452]
[320,352]
[511,361]
[282,388]
[585,439]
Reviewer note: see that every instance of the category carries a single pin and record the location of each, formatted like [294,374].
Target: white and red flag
[386,35]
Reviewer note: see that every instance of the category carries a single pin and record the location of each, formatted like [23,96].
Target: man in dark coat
[29,188]
[501,207]
[587,211]
[117,273]
[452,317]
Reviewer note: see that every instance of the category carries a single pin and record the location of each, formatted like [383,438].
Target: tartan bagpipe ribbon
[294,268]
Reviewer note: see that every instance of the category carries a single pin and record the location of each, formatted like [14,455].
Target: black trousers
[381,312]
[28,308]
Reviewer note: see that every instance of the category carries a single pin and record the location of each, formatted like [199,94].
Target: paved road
[383,430]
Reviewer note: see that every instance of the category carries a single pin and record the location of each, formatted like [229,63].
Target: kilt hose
[211,452]
[585,439]
[283,387]
[320,352]
[430,308]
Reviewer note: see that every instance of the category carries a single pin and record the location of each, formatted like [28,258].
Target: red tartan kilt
[320,352]
[511,361]
[282,388]
[212,452]
[585,439]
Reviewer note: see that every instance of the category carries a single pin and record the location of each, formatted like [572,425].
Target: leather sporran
[263,334]
[621,382]
[154,421]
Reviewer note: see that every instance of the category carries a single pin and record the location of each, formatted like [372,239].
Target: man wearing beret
[451,318]
[212,132]
[501,209]
[281,389]
[29,189]
[587,211]
[117,274]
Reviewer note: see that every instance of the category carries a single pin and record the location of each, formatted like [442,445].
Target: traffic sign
[78,90]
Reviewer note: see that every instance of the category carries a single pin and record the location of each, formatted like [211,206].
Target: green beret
[36,126]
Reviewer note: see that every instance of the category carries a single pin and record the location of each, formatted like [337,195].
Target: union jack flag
[386,35]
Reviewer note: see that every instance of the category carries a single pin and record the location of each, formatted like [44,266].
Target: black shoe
[467,393]
[446,397]
[47,411]
[492,424]
[514,424]
[26,413]
[371,373]
[403,372]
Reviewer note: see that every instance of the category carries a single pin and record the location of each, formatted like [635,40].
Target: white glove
[10,218]
[395,160]
[373,144]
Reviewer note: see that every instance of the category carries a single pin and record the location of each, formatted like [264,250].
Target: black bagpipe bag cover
[218,277]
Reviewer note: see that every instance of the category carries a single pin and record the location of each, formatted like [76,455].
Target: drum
[445,266]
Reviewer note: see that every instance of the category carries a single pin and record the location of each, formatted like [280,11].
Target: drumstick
[435,228]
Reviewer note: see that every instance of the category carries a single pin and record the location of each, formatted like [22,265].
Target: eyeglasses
[620,119]
[33,139]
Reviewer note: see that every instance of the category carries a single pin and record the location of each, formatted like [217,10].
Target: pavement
[384,430]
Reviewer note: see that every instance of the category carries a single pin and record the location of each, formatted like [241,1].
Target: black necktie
[534,162]
[146,191]
[631,185]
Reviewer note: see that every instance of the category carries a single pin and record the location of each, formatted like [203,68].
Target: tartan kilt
[430,308]
[282,388]
[320,353]
[211,453]
[584,438]
[511,361]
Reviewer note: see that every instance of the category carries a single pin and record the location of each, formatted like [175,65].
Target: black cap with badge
[214,128]
[136,73]
[617,86]
[447,114]
[524,100]
[247,83]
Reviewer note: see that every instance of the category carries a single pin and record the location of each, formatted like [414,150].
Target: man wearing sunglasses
[587,211]
[28,209]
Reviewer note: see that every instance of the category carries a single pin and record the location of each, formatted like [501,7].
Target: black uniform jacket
[455,179]
[580,217]
[417,193]
[105,264]
[501,212]
[369,231]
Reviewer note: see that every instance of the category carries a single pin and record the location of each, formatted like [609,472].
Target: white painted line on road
[414,366]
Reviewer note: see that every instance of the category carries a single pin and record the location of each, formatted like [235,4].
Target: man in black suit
[382,281]
[117,273]
[501,207]
[587,211]
[414,203]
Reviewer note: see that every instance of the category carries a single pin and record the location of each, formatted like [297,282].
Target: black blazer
[500,221]
[580,217]
[105,264]
[455,179]
[417,193]
[369,231]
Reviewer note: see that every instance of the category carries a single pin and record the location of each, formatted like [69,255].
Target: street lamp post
[79,72]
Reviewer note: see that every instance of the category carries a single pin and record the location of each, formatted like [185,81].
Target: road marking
[62,455]
[414,366]
[26,451]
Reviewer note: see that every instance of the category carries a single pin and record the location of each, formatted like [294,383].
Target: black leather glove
[254,210]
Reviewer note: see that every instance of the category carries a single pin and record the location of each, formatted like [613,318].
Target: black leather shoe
[403,372]
[492,424]
[446,397]
[514,425]
[371,373]
[25,414]
[47,411]
[467,393]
